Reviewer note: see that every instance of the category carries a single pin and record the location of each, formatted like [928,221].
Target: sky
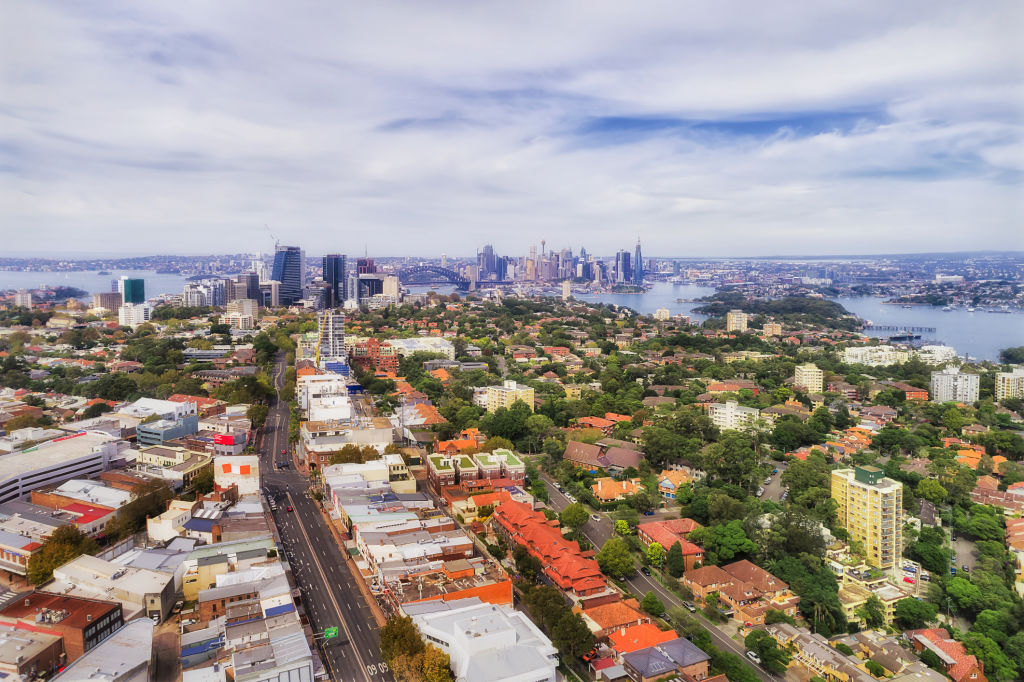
[420,128]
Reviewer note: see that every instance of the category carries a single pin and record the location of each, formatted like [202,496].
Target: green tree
[655,554]
[675,562]
[652,605]
[571,636]
[773,658]
[574,516]
[257,414]
[874,668]
[931,490]
[399,637]
[203,481]
[912,614]
[621,527]
[723,543]
[872,612]
[63,545]
[964,594]
[614,558]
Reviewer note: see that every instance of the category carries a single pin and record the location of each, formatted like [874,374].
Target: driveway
[773,491]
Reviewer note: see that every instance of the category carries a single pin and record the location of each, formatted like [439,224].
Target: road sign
[330,633]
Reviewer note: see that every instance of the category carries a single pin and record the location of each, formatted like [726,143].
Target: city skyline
[822,131]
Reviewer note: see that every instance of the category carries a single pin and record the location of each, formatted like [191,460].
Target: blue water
[89,281]
[981,335]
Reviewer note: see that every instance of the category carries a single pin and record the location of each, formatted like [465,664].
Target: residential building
[331,334]
[607,489]
[563,563]
[732,415]
[814,653]
[677,656]
[958,664]
[507,394]
[871,510]
[134,314]
[662,314]
[735,321]
[486,641]
[1010,384]
[23,299]
[875,356]
[244,306]
[669,532]
[290,270]
[669,482]
[952,385]
[772,329]
[810,378]
[176,465]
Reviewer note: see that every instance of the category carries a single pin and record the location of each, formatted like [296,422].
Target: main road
[329,591]
[598,532]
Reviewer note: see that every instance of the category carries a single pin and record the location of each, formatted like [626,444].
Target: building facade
[735,321]
[507,394]
[810,378]
[290,271]
[1010,384]
[952,385]
[871,510]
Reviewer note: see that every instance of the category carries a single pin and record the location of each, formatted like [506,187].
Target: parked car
[768,480]
[595,517]
[589,656]
[754,657]
[760,492]
[690,607]
[648,513]
[925,577]
[774,471]
[952,570]
[965,568]
[908,580]
[645,570]
[910,569]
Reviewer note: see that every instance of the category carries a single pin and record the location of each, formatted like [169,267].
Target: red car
[590,654]
[908,580]
[284,452]
[290,509]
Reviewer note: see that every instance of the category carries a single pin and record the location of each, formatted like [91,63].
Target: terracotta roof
[751,573]
[708,575]
[639,637]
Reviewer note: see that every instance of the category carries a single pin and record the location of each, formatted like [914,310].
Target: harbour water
[90,282]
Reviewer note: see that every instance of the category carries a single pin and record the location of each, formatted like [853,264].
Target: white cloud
[417,128]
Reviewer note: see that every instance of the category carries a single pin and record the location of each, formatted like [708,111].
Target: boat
[908,307]
[970,310]
[905,337]
[947,308]
[102,273]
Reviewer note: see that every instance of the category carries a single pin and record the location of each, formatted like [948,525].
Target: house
[749,590]
[957,663]
[606,426]
[667,533]
[607,489]
[677,656]
[613,458]
[670,481]
[606,618]
[638,637]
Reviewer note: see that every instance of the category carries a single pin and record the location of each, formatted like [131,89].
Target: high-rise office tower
[336,279]
[250,282]
[638,264]
[290,271]
[623,273]
[365,266]
[486,261]
[132,290]
[871,511]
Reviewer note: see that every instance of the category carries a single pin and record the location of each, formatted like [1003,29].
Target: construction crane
[321,321]
[277,241]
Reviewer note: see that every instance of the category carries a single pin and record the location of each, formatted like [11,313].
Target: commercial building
[735,321]
[507,394]
[134,314]
[162,430]
[810,378]
[77,456]
[82,623]
[132,290]
[486,641]
[1010,384]
[28,654]
[871,510]
[108,300]
[141,592]
[176,465]
[244,306]
[336,280]
[732,415]
[240,470]
[290,270]
[125,656]
[952,385]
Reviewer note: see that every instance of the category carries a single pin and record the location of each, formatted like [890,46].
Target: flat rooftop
[51,454]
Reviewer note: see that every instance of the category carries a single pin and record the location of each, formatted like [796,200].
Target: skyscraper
[623,273]
[331,328]
[249,285]
[365,266]
[486,261]
[638,264]
[290,271]
[336,280]
[132,290]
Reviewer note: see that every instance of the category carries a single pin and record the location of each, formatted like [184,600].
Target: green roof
[439,463]
[510,457]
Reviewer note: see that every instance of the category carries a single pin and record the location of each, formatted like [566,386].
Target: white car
[754,657]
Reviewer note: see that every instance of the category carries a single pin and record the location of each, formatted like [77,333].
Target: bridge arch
[446,274]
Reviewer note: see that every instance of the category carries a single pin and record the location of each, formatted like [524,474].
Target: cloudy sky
[708,129]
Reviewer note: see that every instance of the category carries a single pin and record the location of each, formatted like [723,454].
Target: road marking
[327,585]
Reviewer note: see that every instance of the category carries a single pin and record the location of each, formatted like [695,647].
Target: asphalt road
[773,491]
[329,591]
[600,531]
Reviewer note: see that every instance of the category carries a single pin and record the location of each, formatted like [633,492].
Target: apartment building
[1010,384]
[952,385]
[735,321]
[871,510]
[732,415]
[507,394]
[810,378]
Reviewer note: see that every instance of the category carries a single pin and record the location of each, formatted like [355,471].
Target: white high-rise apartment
[732,415]
[952,385]
[735,321]
[810,378]
[23,299]
[332,334]
[134,314]
[244,306]
[1010,384]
